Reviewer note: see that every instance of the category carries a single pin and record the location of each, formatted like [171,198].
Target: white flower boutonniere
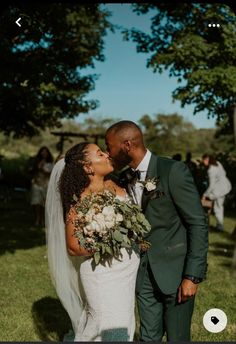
[150,184]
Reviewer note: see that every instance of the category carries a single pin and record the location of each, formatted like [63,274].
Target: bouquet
[104,225]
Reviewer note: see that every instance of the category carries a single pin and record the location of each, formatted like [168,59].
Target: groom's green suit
[179,243]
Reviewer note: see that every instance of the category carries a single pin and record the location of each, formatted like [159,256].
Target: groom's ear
[127,145]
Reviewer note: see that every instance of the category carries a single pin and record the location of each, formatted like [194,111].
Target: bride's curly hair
[74,178]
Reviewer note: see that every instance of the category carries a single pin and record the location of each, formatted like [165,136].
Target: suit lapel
[151,173]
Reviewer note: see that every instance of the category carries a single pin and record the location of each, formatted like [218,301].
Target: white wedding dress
[109,290]
[100,301]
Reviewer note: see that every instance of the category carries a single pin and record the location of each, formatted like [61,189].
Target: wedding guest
[219,187]
[191,165]
[41,170]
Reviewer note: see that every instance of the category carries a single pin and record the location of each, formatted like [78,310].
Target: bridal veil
[64,269]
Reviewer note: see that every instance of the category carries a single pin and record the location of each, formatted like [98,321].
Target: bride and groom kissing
[163,278]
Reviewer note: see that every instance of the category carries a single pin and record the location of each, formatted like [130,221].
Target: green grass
[30,309]
[219,290]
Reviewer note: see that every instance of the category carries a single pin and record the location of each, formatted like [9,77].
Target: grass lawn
[30,310]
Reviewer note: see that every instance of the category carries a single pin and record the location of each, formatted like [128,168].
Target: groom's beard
[121,160]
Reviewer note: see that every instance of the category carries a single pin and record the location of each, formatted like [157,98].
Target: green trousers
[160,313]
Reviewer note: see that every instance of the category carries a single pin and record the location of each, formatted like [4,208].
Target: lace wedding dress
[110,299]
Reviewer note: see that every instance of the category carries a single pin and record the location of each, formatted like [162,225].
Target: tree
[98,124]
[201,56]
[168,134]
[42,77]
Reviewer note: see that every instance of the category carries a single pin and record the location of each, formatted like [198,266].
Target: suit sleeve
[188,204]
[211,187]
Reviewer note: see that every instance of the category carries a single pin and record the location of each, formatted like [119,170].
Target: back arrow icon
[17,22]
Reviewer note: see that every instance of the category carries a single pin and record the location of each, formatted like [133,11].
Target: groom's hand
[187,289]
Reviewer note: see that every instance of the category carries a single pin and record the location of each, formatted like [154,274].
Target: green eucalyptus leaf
[96,257]
[118,236]
[109,250]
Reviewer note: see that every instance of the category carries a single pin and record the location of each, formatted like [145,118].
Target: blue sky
[126,88]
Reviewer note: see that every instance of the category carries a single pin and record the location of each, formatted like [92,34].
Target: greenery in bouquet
[104,224]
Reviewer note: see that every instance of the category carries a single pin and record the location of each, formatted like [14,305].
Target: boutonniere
[150,184]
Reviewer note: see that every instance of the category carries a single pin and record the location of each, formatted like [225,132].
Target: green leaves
[41,80]
[203,58]
[123,230]
[109,250]
[172,131]
[118,236]
[97,257]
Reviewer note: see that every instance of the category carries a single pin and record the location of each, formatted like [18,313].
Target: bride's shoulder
[112,186]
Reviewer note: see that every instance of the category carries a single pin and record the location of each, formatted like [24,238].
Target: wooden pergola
[63,136]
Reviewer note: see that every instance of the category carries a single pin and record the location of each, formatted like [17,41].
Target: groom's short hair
[122,126]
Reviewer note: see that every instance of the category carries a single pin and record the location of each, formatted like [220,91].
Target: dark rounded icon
[214,320]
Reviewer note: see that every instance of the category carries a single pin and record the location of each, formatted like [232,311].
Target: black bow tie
[132,176]
[128,176]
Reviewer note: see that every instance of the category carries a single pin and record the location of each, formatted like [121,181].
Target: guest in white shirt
[219,187]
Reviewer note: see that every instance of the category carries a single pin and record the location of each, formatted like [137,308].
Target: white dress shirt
[136,189]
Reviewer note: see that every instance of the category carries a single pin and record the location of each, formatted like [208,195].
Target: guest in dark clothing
[191,165]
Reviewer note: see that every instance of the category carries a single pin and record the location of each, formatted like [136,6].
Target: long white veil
[64,269]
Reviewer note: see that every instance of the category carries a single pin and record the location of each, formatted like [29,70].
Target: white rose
[110,224]
[150,186]
[108,211]
[119,217]
[95,226]
[100,219]
[89,216]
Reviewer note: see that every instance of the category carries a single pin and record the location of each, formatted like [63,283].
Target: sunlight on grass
[30,310]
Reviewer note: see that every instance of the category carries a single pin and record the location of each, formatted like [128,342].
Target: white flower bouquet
[104,225]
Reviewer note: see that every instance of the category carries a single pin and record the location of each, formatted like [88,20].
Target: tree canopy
[203,58]
[170,134]
[42,76]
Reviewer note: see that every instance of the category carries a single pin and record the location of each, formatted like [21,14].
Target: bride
[100,302]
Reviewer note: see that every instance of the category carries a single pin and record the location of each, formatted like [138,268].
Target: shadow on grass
[224,249]
[50,319]
[223,253]
[16,228]
[224,234]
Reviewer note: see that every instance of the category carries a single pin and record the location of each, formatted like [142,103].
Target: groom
[172,268]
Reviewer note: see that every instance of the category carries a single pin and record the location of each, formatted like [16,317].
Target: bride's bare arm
[73,246]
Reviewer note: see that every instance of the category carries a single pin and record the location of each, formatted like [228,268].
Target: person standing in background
[41,170]
[219,187]
[191,165]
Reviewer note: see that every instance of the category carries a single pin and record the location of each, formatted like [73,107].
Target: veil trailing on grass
[64,269]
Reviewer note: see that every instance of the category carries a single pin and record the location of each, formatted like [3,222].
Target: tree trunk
[234,121]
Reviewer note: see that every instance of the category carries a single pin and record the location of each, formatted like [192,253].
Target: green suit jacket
[179,234]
